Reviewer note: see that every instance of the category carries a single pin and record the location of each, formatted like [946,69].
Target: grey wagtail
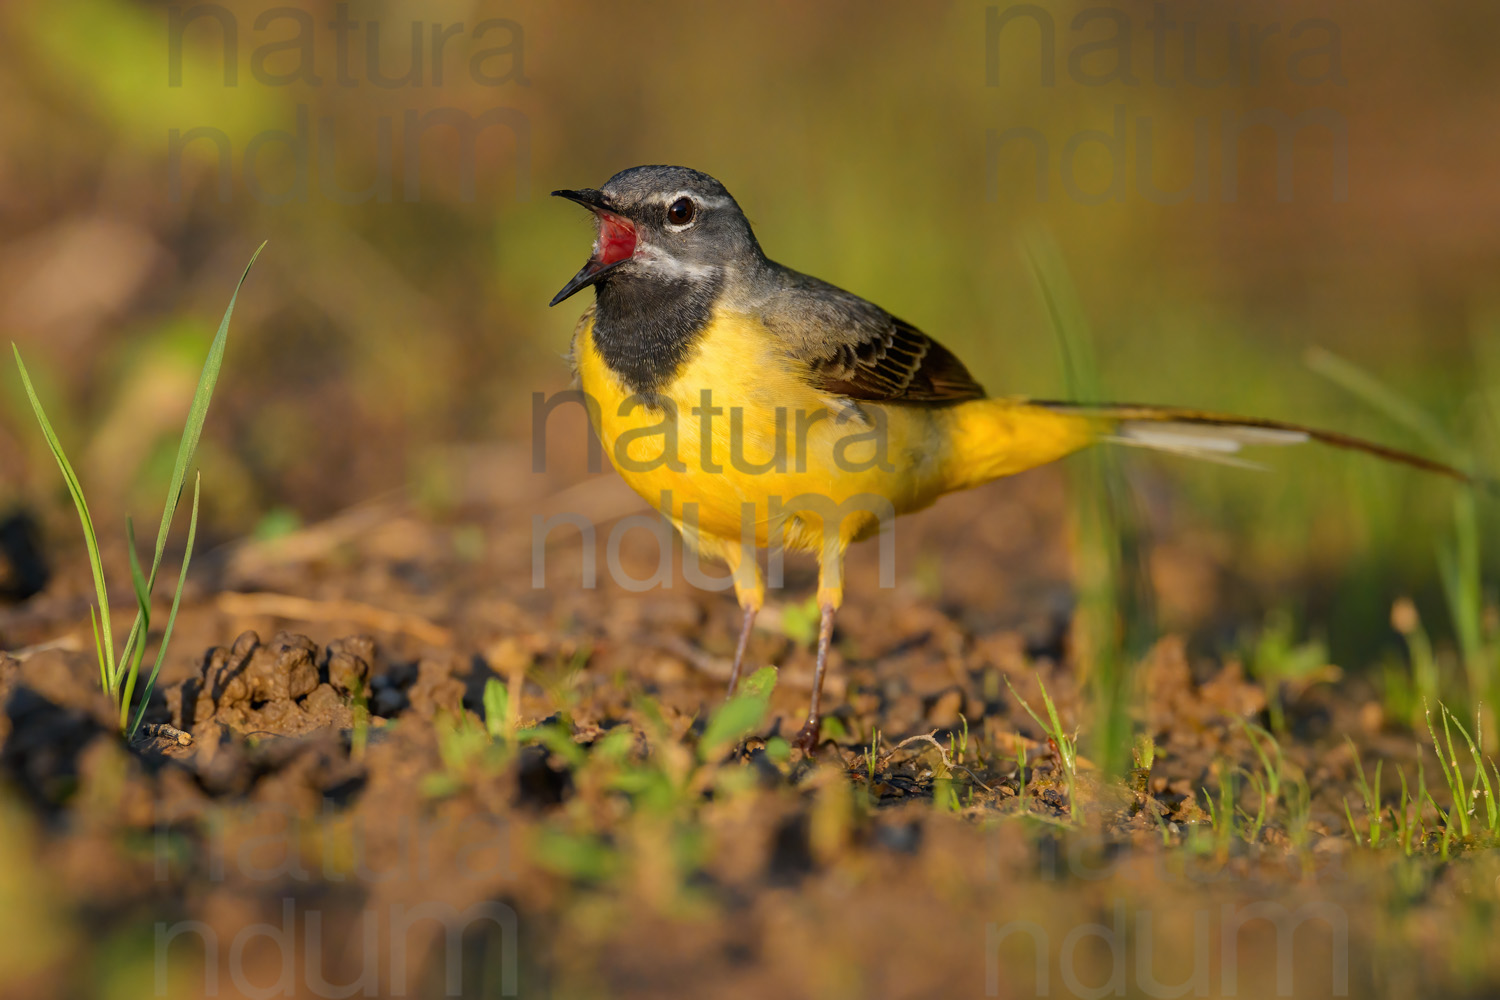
[833,415]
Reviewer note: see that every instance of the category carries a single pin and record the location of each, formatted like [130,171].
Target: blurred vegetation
[855,136]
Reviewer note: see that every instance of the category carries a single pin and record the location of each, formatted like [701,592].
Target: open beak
[614,246]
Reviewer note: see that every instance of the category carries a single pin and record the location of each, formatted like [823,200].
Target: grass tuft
[119,669]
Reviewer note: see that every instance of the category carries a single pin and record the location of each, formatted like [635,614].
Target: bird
[758,407]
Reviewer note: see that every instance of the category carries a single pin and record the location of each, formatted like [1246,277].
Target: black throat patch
[644,329]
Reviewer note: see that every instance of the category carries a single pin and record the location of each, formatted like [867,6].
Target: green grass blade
[135,645]
[1495,816]
[1448,757]
[98,649]
[1051,708]
[75,490]
[1371,796]
[166,636]
[1265,761]
[1024,704]
[197,413]
[1437,747]
[1481,778]
[496,708]
[1448,832]
[1377,814]
[1348,818]
[1423,795]
[1403,822]
[193,430]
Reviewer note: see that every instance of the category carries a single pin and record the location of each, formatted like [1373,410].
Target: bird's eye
[681,212]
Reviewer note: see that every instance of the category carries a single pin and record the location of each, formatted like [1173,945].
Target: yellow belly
[746,450]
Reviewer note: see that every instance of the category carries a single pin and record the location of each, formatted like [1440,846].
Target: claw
[806,739]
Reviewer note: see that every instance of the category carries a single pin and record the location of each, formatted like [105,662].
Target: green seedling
[1448,827]
[1142,756]
[460,744]
[497,709]
[1221,814]
[579,856]
[1066,745]
[1409,830]
[670,779]
[119,669]
[945,789]
[958,743]
[1144,751]
[1299,819]
[1468,796]
[738,717]
[1266,781]
[1375,828]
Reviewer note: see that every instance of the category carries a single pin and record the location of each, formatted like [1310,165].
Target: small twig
[948,763]
[307,610]
[920,738]
[70,643]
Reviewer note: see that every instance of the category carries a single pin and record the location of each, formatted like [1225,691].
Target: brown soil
[607,869]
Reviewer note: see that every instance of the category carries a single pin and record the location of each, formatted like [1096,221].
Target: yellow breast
[743,446]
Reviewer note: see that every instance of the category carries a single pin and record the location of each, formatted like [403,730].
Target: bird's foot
[806,739]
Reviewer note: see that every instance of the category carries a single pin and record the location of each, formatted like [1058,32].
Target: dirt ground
[328,805]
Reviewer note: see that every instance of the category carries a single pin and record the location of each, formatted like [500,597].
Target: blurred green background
[865,141]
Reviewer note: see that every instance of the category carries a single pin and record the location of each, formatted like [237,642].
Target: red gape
[616,238]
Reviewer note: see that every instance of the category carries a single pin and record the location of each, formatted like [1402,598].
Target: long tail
[1216,436]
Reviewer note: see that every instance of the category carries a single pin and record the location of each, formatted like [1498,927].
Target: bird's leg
[746,628]
[751,591]
[830,596]
[807,737]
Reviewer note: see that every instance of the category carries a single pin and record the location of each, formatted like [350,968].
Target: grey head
[660,224]
[670,241]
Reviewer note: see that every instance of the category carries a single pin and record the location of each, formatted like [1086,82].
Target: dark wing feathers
[903,365]
[854,348]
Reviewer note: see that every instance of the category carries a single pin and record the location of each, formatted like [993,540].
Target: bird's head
[662,224]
